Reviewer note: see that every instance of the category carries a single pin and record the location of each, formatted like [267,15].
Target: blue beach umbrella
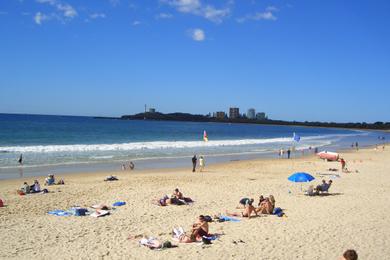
[301,177]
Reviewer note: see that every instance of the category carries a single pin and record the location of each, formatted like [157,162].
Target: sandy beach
[354,215]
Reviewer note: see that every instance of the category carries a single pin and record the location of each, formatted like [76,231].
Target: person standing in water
[288,153]
[20,161]
[357,146]
[201,163]
[194,160]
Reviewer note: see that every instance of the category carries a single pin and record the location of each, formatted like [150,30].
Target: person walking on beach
[194,160]
[288,153]
[357,146]
[343,163]
[20,161]
[201,163]
[281,152]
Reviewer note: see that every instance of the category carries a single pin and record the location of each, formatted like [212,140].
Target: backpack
[1,203]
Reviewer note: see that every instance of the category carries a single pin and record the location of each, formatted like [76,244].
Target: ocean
[61,144]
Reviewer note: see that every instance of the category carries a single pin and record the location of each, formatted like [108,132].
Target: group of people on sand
[202,163]
[266,205]
[36,187]
[176,198]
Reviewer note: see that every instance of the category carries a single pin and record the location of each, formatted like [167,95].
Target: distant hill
[202,118]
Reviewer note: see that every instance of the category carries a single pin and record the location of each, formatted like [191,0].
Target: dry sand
[355,215]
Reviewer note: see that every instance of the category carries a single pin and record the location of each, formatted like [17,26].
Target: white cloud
[197,34]
[97,15]
[184,6]
[66,10]
[196,7]
[272,8]
[135,23]
[164,16]
[267,15]
[39,18]
[215,15]
[115,2]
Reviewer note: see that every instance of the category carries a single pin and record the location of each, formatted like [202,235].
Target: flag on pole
[205,137]
[296,137]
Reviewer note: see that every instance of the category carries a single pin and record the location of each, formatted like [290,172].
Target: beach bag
[278,212]
[79,211]
[1,203]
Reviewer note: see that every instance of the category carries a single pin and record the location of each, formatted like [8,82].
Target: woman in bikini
[248,210]
[267,206]
[199,229]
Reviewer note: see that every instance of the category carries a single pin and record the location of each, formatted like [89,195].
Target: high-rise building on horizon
[220,115]
[261,116]
[251,114]
[234,112]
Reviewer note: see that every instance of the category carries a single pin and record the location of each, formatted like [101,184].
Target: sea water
[58,144]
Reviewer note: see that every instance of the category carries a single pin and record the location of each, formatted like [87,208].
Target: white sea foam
[155,145]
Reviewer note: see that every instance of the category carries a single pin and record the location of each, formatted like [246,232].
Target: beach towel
[61,213]
[119,203]
[100,213]
[226,218]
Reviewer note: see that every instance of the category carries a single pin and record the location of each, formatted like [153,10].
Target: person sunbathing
[248,210]
[25,188]
[267,206]
[199,229]
[261,199]
[36,187]
[324,187]
[177,194]
[243,202]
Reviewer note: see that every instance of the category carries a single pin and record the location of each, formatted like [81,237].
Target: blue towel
[119,203]
[226,218]
[59,212]
[213,237]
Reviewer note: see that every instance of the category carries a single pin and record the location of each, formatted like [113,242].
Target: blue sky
[294,60]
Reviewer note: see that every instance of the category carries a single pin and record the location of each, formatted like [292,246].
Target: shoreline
[164,170]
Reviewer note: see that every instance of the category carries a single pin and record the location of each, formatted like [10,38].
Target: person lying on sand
[248,210]
[111,178]
[266,206]
[178,195]
[199,229]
